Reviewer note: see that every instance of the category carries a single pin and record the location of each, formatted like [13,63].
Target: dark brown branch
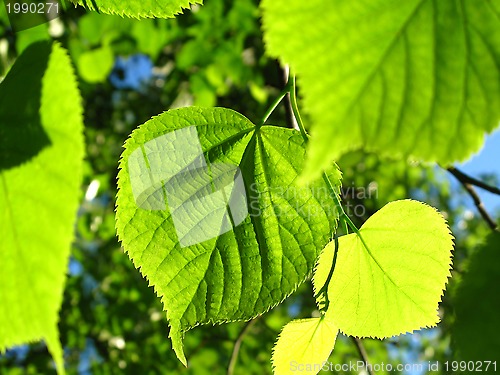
[464,178]
[362,354]
[237,346]
[468,186]
[482,210]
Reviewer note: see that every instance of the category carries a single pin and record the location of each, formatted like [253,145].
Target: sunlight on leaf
[209,210]
[391,279]
[139,9]
[303,346]
[401,78]
[41,153]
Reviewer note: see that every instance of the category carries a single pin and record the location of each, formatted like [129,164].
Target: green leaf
[208,208]
[139,9]
[394,77]
[476,304]
[41,157]
[95,65]
[303,346]
[389,279]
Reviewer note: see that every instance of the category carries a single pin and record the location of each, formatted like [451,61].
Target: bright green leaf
[390,279]
[41,157]
[416,77]
[303,346]
[476,304]
[95,65]
[139,9]
[209,210]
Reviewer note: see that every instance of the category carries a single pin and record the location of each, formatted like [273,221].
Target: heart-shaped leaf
[209,210]
[390,278]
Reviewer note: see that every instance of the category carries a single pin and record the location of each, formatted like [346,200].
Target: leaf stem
[293,100]
[275,103]
[343,217]
[324,288]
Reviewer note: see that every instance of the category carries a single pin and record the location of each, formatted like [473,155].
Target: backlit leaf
[139,9]
[209,210]
[303,346]
[400,78]
[390,279]
[41,156]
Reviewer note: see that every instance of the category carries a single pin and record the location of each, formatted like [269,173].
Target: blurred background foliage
[129,70]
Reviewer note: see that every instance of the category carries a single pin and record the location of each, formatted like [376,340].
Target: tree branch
[462,177]
[362,353]
[237,346]
[468,182]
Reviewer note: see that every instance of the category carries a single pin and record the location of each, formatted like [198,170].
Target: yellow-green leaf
[139,9]
[41,157]
[413,77]
[304,346]
[389,279]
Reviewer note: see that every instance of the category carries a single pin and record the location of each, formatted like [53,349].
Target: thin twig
[479,204]
[363,354]
[467,184]
[237,346]
[461,176]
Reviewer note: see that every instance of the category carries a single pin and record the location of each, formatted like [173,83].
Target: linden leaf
[303,346]
[139,9]
[210,211]
[401,78]
[41,162]
[389,279]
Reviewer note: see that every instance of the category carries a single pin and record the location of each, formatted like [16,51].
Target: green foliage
[139,9]
[96,64]
[475,330]
[417,78]
[306,343]
[245,271]
[350,57]
[389,277]
[41,152]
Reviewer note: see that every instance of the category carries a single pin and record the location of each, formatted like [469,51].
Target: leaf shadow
[22,134]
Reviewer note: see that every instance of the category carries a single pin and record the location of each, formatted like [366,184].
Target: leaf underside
[414,78]
[392,280]
[207,268]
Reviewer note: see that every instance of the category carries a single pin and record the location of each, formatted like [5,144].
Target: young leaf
[389,279]
[139,9]
[416,77]
[41,157]
[209,210]
[476,304]
[303,346]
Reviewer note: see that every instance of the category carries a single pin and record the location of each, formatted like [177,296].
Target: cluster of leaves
[367,283]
